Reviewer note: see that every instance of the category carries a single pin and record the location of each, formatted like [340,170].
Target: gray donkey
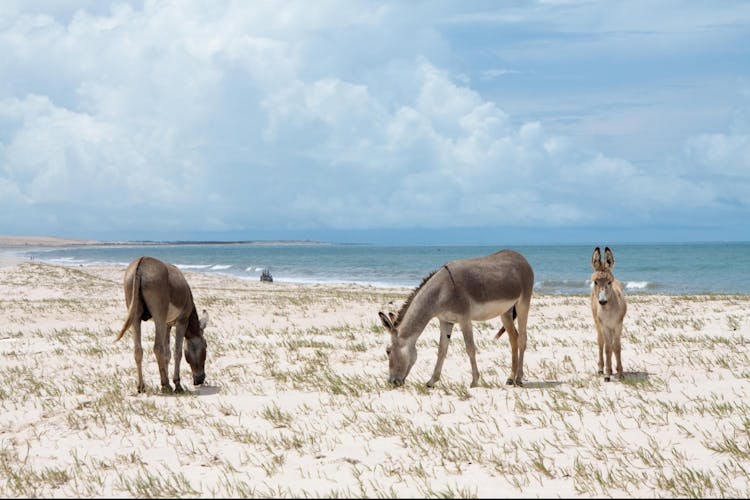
[462,291]
[154,289]
[608,306]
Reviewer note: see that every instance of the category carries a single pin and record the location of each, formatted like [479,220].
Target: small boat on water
[265,275]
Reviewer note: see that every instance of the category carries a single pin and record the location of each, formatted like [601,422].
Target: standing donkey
[155,289]
[463,291]
[608,307]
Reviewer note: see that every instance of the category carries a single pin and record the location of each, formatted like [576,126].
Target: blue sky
[385,122]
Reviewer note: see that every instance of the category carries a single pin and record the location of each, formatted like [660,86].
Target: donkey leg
[608,355]
[507,320]
[138,354]
[616,347]
[445,337]
[523,315]
[600,342]
[471,350]
[179,335]
[161,351]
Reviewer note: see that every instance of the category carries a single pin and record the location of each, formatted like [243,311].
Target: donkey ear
[393,317]
[596,259]
[203,321]
[610,258]
[385,320]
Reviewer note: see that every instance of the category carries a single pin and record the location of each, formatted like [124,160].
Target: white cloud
[724,154]
[721,163]
[196,116]
[491,74]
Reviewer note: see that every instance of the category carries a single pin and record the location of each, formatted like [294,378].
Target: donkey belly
[479,311]
[489,310]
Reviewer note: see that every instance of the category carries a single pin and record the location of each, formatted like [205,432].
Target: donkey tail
[502,328]
[134,295]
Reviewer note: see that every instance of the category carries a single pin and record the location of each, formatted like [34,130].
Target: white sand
[296,401]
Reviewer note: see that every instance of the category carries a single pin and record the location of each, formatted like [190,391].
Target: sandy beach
[296,402]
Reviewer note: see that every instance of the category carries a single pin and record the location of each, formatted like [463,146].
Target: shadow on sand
[635,376]
[206,390]
[201,390]
[544,384]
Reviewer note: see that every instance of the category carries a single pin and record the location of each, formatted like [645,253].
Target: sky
[436,122]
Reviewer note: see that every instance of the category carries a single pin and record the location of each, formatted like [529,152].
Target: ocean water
[558,269]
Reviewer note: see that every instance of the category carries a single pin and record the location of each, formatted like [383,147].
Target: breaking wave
[638,285]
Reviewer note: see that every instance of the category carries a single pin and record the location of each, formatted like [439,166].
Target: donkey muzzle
[602,298]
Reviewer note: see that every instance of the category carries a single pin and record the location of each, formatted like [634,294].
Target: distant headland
[54,241]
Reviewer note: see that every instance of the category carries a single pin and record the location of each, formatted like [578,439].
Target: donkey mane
[413,293]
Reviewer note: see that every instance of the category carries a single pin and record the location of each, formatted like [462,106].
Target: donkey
[608,307]
[462,291]
[155,289]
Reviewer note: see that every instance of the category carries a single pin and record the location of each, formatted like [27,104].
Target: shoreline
[85,253]
[8,258]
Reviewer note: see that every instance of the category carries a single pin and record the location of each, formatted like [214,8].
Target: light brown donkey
[608,306]
[155,289]
[463,291]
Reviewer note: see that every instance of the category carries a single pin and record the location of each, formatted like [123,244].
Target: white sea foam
[636,285]
[67,261]
[332,281]
[220,267]
[560,284]
[193,266]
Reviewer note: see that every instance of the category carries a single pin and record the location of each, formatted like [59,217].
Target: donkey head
[402,353]
[195,351]
[602,277]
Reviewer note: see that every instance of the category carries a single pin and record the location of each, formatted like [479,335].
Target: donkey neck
[421,309]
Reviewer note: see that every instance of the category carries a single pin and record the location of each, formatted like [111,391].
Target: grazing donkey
[154,289]
[463,291]
[608,307]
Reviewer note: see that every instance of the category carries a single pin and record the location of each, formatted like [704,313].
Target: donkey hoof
[430,384]
[178,388]
[600,372]
[510,381]
[166,389]
[141,388]
[606,379]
